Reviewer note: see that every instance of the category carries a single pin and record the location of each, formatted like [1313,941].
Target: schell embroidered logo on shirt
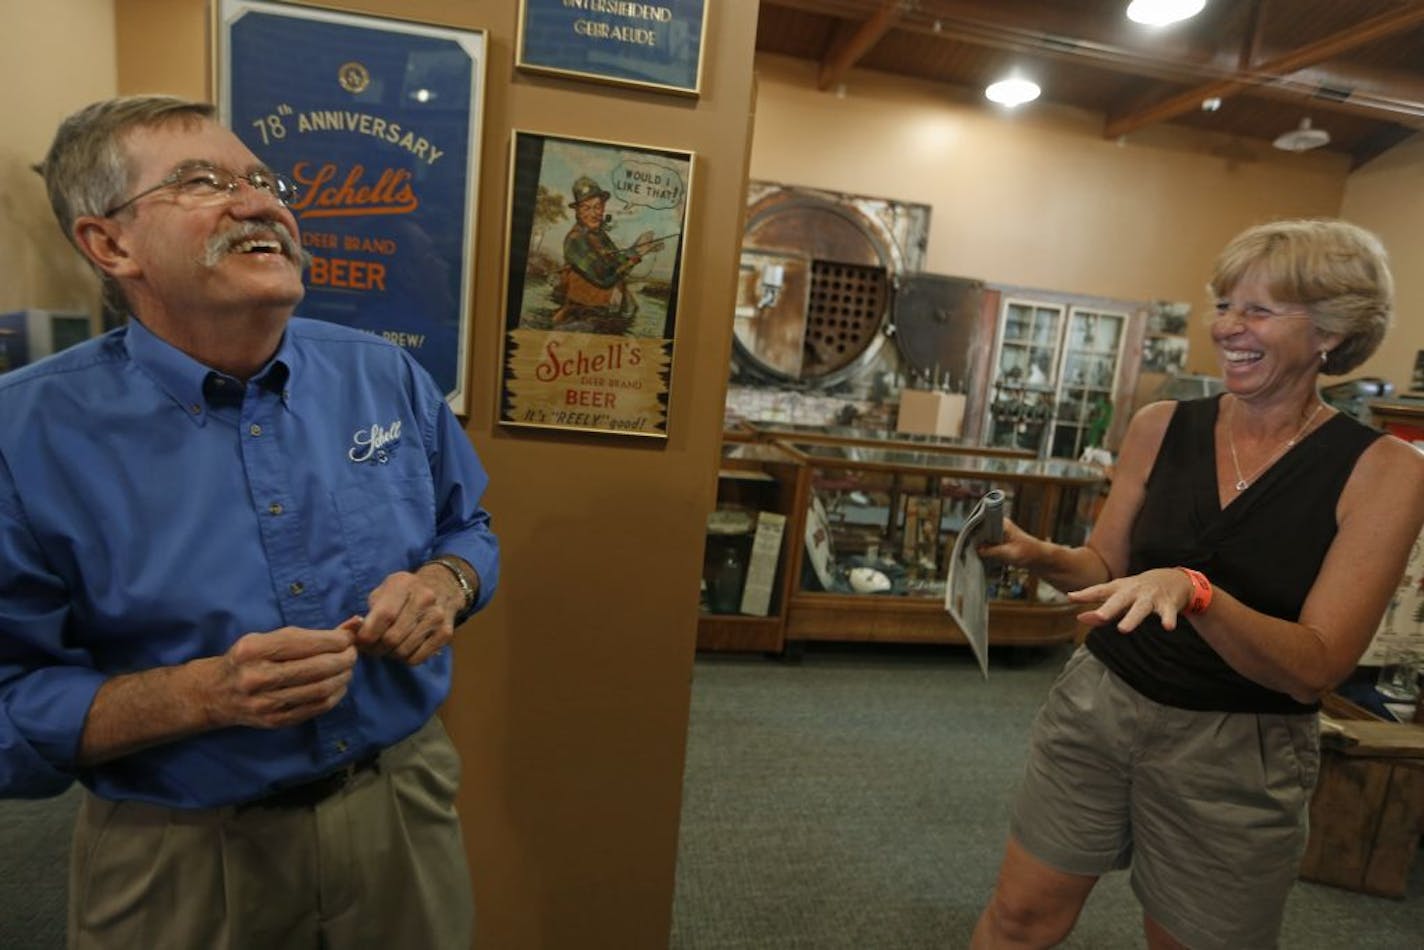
[374,444]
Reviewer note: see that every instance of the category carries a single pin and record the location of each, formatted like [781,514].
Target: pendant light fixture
[1302,139]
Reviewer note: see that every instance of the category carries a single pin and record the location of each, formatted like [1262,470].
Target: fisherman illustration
[593,284]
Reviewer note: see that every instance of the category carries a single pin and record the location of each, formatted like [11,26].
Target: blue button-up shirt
[153,511]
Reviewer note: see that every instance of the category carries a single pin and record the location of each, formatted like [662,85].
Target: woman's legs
[1033,905]
[1157,936]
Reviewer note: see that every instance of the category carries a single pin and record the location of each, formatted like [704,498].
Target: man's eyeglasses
[1255,313]
[202,182]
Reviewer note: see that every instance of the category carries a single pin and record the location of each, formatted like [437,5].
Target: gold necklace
[1243,483]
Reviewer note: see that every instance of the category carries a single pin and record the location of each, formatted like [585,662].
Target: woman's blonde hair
[1337,271]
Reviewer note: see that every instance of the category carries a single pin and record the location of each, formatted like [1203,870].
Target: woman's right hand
[1019,548]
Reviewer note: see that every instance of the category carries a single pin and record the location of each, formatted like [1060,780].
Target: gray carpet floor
[854,799]
[859,799]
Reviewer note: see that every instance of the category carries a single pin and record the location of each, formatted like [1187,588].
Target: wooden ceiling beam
[1368,31]
[1304,87]
[855,41]
[1251,46]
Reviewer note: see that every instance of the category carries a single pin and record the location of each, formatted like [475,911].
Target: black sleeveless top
[1266,548]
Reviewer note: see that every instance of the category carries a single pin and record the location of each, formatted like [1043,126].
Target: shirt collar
[190,384]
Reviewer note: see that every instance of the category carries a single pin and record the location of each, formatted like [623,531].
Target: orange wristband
[1201,590]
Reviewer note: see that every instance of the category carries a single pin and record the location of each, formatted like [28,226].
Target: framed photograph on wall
[592,281]
[652,45]
[378,122]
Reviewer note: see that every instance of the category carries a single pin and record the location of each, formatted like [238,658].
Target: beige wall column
[50,65]
[571,694]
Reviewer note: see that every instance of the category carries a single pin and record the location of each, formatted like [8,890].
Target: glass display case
[744,577]
[879,523]
[864,526]
[866,539]
[859,435]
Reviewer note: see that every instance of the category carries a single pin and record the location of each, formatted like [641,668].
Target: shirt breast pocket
[387,525]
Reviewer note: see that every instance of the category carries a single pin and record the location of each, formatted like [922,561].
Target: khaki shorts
[1208,809]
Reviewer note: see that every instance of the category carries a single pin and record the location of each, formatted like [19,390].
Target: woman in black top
[1242,561]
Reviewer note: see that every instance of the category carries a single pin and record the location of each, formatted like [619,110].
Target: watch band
[466,588]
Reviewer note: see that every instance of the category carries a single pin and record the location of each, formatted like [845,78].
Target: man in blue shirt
[234,547]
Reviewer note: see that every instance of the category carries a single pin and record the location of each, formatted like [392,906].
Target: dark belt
[318,790]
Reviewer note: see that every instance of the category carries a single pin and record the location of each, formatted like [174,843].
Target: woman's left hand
[1164,591]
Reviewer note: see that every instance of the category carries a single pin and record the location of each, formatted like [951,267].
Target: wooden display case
[876,438]
[896,508]
[752,478]
[898,512]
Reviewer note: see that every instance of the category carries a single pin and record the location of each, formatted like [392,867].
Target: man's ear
[102,241]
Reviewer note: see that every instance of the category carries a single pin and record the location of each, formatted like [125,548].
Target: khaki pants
[379,864]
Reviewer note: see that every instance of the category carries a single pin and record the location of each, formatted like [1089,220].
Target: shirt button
[296,587]
[274,508]
[195,408]
[342,745]
[255,429]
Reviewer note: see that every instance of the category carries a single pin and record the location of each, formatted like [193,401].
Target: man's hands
[286,676]
[280,678]
[412,615]
[274,679]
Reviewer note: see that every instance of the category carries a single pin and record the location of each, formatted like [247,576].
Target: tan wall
[50,65]
[1387,196]
[1036,197]
[571,691]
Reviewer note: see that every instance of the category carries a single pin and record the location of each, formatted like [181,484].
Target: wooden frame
[654,46]
[590,328]
[379,122]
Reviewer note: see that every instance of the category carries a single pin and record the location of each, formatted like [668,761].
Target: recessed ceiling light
[1163,12]
[1012,92]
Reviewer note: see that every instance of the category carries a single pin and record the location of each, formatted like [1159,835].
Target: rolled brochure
[966,589]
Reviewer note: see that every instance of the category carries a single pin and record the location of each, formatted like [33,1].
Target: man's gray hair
[86,171]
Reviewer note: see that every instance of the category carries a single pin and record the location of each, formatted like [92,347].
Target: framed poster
[378,122]
[592,281]
[656,45]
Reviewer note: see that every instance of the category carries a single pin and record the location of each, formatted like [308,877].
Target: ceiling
[1355,68]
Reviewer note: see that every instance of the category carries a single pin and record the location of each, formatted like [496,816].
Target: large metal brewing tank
[818,276]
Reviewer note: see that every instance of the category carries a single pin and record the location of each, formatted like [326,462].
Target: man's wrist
[462,575]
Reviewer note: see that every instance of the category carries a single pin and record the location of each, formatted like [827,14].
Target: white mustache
[220,244]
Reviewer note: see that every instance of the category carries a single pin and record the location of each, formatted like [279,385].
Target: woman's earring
[1324,355]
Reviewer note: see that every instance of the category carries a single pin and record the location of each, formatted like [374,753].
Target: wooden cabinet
[1058,369]
[1025,375]
[868,531]
[1367,812]
[1092,357]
